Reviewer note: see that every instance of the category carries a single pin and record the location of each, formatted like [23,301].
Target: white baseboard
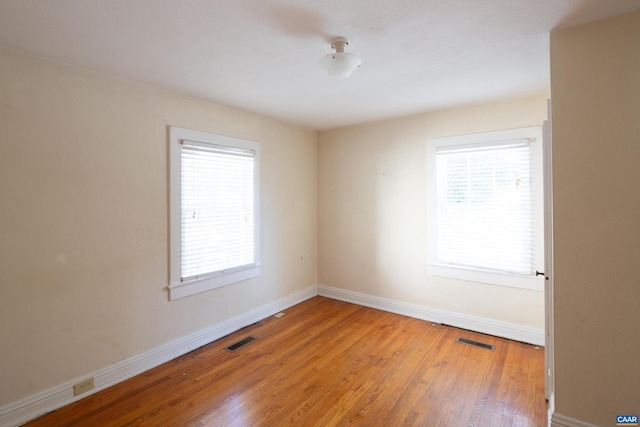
[559,420]
[475,323]
[17,413]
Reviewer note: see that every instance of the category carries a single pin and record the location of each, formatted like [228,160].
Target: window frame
[177,287]
[434,268]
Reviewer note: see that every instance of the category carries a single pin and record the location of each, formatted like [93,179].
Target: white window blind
[485,206]
[217,210]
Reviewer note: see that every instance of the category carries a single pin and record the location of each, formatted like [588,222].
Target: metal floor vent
[239,344]
[476,343]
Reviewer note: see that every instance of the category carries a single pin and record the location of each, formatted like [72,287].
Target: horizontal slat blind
[217,216]
[485,206]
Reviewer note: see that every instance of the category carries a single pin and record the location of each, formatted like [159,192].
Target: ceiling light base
[339,43]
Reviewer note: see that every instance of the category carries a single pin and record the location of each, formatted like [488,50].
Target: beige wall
[372,215]
[84,221]
[595,86]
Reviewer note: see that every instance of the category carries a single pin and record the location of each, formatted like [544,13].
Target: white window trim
[530,282]
[178,288]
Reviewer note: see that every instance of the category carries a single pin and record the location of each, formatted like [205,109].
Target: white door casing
[548,256]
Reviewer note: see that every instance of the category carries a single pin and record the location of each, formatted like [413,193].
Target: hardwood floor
[330,363]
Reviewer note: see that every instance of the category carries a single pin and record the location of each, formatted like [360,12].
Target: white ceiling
[262,55]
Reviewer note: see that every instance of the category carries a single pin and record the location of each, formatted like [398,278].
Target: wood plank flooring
[330,363]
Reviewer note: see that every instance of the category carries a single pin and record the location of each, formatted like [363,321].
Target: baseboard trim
[479,324]
[17,413]
[559,420]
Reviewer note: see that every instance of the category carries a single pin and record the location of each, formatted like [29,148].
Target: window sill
[488,277]
[193,287]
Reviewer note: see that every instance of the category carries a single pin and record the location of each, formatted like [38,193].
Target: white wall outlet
[83,386]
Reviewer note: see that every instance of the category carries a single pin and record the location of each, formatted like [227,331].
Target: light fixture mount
[340,64]
[339,43]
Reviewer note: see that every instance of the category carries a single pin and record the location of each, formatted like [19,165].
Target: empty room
[268,213]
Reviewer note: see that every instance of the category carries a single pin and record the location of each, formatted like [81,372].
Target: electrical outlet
[83,386]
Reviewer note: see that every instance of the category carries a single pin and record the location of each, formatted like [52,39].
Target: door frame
[549,368]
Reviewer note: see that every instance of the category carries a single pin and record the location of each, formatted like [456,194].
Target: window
[486,213]
[214,216]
